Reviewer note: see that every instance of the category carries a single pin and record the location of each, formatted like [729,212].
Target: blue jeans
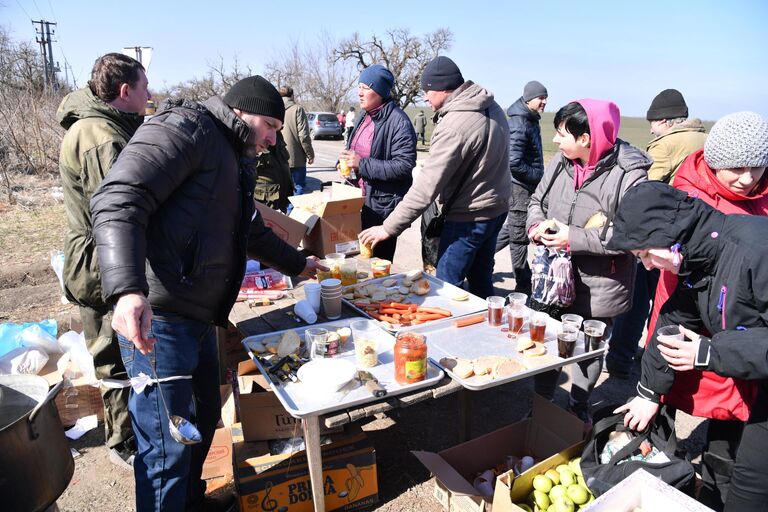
[299,177]
[167,473]
[466,252]
[628,327]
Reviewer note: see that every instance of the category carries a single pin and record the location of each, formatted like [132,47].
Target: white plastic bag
[57,262]
[73,343]
[23,361]
[35,337]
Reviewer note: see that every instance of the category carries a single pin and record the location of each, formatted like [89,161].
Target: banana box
[281,482]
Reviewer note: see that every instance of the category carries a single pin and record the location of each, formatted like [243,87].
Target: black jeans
[749,481]
[514,234]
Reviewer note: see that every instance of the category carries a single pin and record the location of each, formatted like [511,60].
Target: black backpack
[678,472]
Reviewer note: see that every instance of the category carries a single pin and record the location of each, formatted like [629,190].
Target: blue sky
[714,52]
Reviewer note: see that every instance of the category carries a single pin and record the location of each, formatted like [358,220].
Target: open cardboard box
[641,490]
[338,225]
[549,430]
[262,415]
[286,228]
[281,482]
[79,397]
[218,463]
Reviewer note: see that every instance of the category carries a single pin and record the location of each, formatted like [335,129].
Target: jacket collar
[222,112]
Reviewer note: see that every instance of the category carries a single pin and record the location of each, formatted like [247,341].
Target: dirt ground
[29,291]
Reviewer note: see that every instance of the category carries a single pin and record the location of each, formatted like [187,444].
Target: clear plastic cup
[316,339]
[669,333]
[495,311]
[517,299]
[335,260]
[538,326]
[364,335]
[572,319]
[593,334]
[380,267]
[348,272]
[566,340]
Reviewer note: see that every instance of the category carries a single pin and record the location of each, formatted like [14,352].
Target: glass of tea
[495,311]
[516,319]
[593,334]
[538,326]
[566,340]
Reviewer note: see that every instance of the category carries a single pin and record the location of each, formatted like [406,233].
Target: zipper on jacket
[721,305]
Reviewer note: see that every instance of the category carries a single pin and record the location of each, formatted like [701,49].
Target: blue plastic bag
[10,338]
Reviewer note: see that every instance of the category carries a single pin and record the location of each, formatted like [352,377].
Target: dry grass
[29,233]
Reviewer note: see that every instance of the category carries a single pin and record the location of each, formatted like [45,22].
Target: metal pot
[35,462]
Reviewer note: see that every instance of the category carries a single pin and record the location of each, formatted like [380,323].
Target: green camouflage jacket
[96,133]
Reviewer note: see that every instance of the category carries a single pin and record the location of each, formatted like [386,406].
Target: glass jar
[410,358]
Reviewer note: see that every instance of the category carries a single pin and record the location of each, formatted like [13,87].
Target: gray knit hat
[534,89]
[738,140]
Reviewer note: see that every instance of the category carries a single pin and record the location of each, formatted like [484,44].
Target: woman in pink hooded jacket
[578,196]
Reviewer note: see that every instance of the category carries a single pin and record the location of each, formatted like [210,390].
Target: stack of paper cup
[330,294]
[312,293]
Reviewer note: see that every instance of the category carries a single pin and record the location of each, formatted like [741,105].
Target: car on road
[324,124]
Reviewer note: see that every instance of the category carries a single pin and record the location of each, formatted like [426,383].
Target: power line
[23,9]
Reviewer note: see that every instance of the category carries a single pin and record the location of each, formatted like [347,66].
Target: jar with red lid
[410,358]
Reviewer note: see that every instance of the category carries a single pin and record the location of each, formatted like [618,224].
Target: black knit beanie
[256,96]
[441,74]
[668,104]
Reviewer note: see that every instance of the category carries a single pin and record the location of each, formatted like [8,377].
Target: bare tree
[404,54]
[319,80]
[217,81]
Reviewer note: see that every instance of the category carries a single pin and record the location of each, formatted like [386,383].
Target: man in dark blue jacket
[526,164]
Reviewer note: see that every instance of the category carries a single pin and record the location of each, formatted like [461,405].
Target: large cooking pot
[35,462]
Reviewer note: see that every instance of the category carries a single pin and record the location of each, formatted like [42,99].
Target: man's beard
[252,152]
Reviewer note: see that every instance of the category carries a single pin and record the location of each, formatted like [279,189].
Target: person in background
[721,261]
[341,118]
[729,175]
[468,155]
[349,124]
[174,221]
[99,120]
[273,176]
[420,125]
[571,210]
[676,137]
[380,151]
[297,140]
[526,164]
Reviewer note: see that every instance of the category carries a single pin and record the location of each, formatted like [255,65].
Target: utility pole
[44,39]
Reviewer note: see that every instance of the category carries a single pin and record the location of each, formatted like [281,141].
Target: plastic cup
[344,169]
[335,259]
[312,293]
[380,267]
[305,311]
[566,340]
[364,334]
[495,311]
[324,274]
[517,299]
[516,319]
[316,339]
[593,334]
[572,319]
[348,272]
[538,326]
[669,333]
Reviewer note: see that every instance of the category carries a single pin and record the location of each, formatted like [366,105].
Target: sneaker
[122,458]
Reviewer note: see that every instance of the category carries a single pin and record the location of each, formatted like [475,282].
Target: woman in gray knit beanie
[737,150]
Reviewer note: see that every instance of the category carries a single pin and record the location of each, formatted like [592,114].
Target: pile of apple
[559,490]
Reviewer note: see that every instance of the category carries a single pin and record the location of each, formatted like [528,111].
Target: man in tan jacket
[467,172]
[297,140]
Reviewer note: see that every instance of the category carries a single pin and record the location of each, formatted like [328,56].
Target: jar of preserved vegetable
[410,358]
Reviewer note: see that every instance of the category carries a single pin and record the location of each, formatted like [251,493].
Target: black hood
[656,215]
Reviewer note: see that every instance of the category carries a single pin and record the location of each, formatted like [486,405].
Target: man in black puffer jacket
[526,164]
[173,223]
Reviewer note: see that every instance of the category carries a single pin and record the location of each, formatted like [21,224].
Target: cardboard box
[548,430]
[644,491]
[338,223]
[262,415]
[287,229]
[78,398]
[218,463]
[271,482]
[510,489]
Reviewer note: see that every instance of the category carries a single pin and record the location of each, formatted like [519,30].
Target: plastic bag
[73,343]
[23,361]
[552,282]
[35,337]
[57,262]
[10,333]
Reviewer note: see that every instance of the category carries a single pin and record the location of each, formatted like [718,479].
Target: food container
[380,267]
[366,251]
[410,357]
[365,333]
[334,262]
[348,272]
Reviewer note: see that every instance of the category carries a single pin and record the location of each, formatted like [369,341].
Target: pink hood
[604,121]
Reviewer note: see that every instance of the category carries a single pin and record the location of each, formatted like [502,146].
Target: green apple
[567,477]
[557,492]
[578,493]
[563,504]
[539,498]
[562,467]
[542,483]
[551,508]
[553,475]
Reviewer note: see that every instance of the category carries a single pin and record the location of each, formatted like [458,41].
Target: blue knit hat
[378,78]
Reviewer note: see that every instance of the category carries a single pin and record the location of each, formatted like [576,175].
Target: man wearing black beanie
[467,172]
[173,223]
